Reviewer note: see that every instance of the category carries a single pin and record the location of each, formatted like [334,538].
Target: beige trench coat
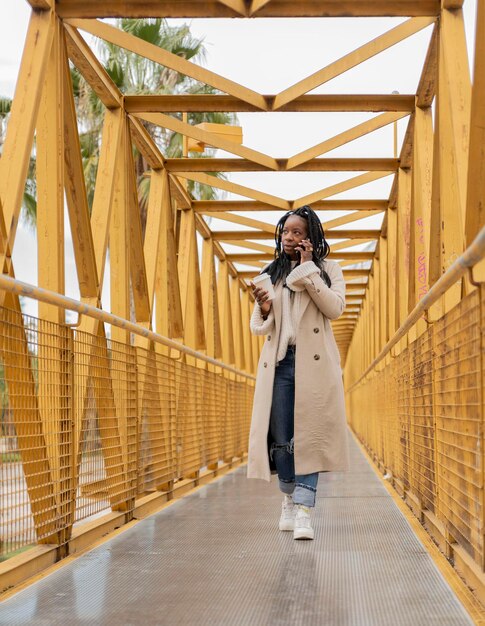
[320,429]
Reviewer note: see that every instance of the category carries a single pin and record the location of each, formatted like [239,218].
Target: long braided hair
[281,266]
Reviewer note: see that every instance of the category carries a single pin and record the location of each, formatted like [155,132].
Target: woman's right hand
[261,297]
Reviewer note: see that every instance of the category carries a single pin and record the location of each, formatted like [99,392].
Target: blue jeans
[302,487]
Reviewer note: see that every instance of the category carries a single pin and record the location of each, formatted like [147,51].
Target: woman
[298,425]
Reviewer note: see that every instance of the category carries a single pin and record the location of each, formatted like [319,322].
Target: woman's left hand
[306,250]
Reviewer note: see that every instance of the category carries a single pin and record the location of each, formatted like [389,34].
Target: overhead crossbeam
[236,235]
[308,103]
[204,206]
[263,256]
[313,165]
[345,185]
[348,275]
[168,59]
[215,8]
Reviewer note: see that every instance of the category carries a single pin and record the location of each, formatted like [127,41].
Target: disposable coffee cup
[264,282]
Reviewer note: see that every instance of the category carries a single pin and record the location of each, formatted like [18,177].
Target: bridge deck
[217,557]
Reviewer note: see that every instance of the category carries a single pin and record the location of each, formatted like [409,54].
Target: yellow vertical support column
[384,299]
[453,120]
[392,278]
[226,314]
[50,182]
[189,402]
[190,287]
[119,263]
[240,361]
[422,171]
[402,265]
[18,142]
[371,319]
[119,243]
[54,379]
[377,307]
[368,322]
[141,300]
[435,227]
[475,207]
[239,356]
[14,163]
[98,362]
[151,244]
[140,297]
[169,321]
[248,343]
[412,333]
[228,356]
[210,302]
[212,413]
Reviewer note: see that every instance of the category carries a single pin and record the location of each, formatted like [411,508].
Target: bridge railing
[420,414]
[90,425]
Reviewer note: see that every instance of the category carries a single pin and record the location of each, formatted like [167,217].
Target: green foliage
[10,457]
[133,75]
[136,75]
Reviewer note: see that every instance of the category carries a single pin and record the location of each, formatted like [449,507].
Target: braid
[281,266]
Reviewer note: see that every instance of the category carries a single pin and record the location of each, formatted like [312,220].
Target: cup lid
[261,277]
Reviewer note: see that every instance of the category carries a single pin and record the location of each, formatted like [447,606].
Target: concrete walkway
[216,557]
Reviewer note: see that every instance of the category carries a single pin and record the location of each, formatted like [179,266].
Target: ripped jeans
[302,487]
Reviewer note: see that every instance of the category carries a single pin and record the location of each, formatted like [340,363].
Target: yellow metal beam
[234,188]
[342,138]
[345,185]
[167,290]
[267,256]
[190,285]
[119,237]
[475,209]
[166,121]
[275,8]
[365,52]
[163,57]
[236,235]
[91,69]
[103,193]
[308,103]
[77,201]
[18,143]
[238,6]
[313,165]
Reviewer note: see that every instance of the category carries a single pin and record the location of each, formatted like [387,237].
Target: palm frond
[5,106]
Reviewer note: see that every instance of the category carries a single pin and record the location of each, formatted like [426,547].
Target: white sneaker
[302,528]
[287,519]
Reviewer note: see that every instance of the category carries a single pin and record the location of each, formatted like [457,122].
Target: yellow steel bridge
[108,420]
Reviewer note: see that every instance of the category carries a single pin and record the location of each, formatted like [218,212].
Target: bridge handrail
[19,287]
[472,255]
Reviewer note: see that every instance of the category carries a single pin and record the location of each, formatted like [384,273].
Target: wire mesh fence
[427,403]
[89,424]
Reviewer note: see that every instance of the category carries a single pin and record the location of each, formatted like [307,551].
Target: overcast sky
[268,55]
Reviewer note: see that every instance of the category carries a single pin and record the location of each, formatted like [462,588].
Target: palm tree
[5,106]
[134,75]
